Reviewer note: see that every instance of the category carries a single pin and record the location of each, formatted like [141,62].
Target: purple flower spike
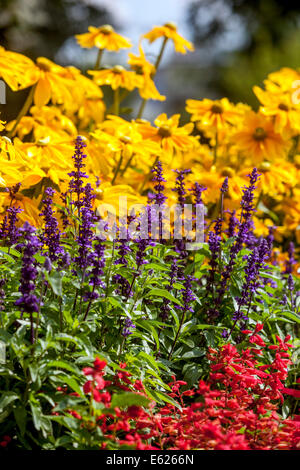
[128,325]
[224,187]
[76,183]
[29,302]
[180,185]
[51,233]
[159,198]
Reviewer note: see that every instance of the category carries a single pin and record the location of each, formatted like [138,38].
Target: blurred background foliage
[238,42]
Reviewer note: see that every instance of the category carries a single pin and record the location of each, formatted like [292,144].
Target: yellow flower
[142,66]
[103,37]
[52,82]
[258,139]
[281,107]
[117,77]
[47,158]
[12,68]
[216,113]
[276,177]
[169,31]
[282,80]
[91,110]
[84,89]
[29,205]
[172,138]
[8,150]
[291,210]
[122,138]
[108,195]
[47,121]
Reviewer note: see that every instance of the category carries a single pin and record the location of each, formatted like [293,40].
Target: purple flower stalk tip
[128,326]
[159,198]
[50,236]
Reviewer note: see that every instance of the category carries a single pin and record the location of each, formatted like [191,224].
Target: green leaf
[7,398]
[149,359]
[55,281]
[72,384]
[197,352]
[147,326]
[63,365]
[161,397]
[12,251]
[291,315]
[163,293]
[36,414]
[155,267]
[125,399]
[67,421]
[20,414]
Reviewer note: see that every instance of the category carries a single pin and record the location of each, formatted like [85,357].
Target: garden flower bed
[172,324]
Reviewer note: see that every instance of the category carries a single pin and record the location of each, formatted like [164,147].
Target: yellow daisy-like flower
[44,122]
[91,110]
[169,31]
[282,80]
[291,210]
[84,89]
[103,37]
[29,205]
[167,132]
[258,139]
[280,106]
[107,195]
[211,113]
[13,67]
[52,82]
[276,177]
[117,77]
[126,139]
[142,66]
[47,158]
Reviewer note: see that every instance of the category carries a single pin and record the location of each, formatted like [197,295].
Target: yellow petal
[42,92]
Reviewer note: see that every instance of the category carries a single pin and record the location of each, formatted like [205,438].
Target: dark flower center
[283,107]
[106,29]
[216,109]
[171,25]
[228,171]
[259,134]
[164,131]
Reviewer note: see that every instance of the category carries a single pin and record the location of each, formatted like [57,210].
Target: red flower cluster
[5,441]
[235,409]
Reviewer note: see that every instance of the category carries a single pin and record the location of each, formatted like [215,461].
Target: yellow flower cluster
[222,139]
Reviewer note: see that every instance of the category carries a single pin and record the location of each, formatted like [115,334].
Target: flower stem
[216,148]
[177,334]
[23,110]
[99,58]
[127,164]
[116,102]
[156,65]
[117,169]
